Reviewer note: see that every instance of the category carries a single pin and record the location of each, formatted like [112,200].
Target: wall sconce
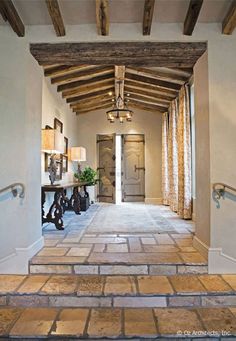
[78,154]
[52,143]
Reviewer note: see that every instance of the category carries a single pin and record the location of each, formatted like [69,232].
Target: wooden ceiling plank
[82,74]
[95,107]
[147,94]
[92,104]
[192,16]
[149,100]
[10,14]
[55,14]
[106,84]
[92,100]
[102,17]
[105,106]
[156,74]
[167,54]
[64,69]
[159,83]
[147,16]
[146,107]
[229,22]
[77,84]
[151,88]
[90,95]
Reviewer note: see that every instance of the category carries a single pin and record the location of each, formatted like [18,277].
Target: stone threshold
[118,323]
[118,269]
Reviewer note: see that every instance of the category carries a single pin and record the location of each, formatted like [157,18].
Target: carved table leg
[43,199]
[56,211]
[75,200]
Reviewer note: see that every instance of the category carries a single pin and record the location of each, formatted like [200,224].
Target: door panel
[106,168]
[133,168]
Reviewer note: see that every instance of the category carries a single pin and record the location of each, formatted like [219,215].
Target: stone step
[118,323]
[118,291]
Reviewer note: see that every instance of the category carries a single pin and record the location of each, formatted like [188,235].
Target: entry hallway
[120,239]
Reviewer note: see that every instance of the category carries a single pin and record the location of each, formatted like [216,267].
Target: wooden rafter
[147,107]
[167,54]
[151,88]
[159,83]
[148,94]
[192,16]
[156,74]
[229,22]
[147,16]
[82,74]
[55,14]
[85,106]
[80,83]
[86,89]
[101,106]
[96,99]
[89,96]
[153,101]
[63,69]
[10,14]
[102,17]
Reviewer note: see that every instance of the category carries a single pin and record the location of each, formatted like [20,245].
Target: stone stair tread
[117,323]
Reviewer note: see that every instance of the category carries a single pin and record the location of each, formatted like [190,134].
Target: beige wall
[147,123]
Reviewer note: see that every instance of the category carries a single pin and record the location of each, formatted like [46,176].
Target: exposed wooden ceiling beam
[148,94]
[147,16]
[229,22]
[96,107]
[151,88]
[153,101]
[146,107]
[82,74]
[168,54]
[86,89]
[93,80]
[102,17]
[55,14]
[94,99]
[159,83]
[192,16]
[85,106]
[10,14]
[156,74]
[63,69]
[90,95]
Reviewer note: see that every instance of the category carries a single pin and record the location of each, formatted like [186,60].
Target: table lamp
[78,154]
[52,143]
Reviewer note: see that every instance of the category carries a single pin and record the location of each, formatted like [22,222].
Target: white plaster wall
[147,123]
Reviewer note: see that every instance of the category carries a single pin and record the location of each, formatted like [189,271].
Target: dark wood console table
[61,202]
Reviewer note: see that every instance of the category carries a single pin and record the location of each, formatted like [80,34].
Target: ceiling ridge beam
[10,14]
[102,17]
[147,16]
[229,22]
[192,16]
[56,17]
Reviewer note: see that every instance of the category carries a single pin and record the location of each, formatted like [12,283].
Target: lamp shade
[78,154]
[52,141]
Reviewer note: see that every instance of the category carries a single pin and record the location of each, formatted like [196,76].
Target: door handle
[138,168]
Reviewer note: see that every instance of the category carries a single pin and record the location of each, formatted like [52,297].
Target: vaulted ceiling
[61,13]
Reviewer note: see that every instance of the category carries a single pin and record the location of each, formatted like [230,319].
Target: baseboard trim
[18,262]
[220,263]
[202,248]
[153,201]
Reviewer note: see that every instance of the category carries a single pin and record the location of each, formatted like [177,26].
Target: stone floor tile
[52,251]
[117,248]
[220,319]
[124,270]
[187,249]
[51,242]
[148,241]
[181,235]
[134,244]
[184,242]
[7,317]
[50,269]
[192,258]
[105,323]
[80,301]
[185,301]
[154,285]
[231,280]
[214,283]
[86,269]
[34,322]
[90,285]
[9,283]
[163,270]
[71,322]
[119,285]
[103,240]
[139,302]
[233,310]
[139,323]
[186,284]
[164,239]
[173,320]
[99,247]
[192,269]
[3,300]
[135,258]
[220,300]
[160,248]
[60,285]
[28,301]
[33,284]
[57,260]
[77,251]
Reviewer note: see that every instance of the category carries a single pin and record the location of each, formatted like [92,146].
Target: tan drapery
[184,156]
[173,156]
[165,177]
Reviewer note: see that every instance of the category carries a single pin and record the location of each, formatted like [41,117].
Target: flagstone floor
[126,234]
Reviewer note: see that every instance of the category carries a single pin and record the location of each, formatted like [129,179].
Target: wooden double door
[132,167]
